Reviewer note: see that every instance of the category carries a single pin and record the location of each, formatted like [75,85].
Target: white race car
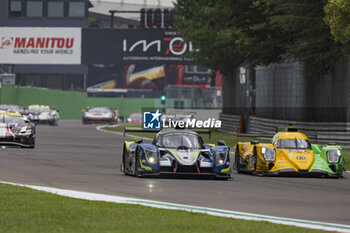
[43,114]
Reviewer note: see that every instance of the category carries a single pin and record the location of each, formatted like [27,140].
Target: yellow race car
[290,153]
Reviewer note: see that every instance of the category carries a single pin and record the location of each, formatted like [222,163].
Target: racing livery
[176,152]
[98,115]
[43,114]
[290,153]
[14,130]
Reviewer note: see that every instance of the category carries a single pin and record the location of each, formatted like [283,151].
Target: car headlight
[24,129]
[268,153]
[151,156]
[333,156]
[220,157]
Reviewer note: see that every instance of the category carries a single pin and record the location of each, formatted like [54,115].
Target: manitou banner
[40,45]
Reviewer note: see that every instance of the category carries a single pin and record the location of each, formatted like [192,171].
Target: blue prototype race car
[175,152]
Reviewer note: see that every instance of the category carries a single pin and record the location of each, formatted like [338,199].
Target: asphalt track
[78,157]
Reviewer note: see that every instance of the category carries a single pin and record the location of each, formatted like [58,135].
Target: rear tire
[255,162]
[237,161]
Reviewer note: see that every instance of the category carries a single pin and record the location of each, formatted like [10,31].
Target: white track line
[197,209]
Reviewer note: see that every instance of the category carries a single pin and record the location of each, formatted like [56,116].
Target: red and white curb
[196,209]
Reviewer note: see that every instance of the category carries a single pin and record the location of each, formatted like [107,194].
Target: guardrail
[318,132]
[229,123]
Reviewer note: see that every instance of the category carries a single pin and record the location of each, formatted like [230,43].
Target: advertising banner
[36,45]
[135,46]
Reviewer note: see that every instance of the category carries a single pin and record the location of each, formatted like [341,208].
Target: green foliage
[258,32]
[228,33]
[338,18]
[310,41]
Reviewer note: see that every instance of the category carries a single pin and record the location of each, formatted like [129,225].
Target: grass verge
[26,210]
[215,136]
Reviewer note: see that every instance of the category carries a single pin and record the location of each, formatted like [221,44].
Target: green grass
[26,210]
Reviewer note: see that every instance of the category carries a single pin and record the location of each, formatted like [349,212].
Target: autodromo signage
[135,46]
[38,45]
[21,45]
[168,47]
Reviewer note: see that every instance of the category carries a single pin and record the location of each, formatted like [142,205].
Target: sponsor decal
[301,157]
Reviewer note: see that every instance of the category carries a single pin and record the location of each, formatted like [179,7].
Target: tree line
[229,33]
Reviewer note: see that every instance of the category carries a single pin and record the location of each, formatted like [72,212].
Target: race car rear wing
[139,130]
[269,135]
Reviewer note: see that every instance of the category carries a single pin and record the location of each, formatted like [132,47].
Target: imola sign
[134,46]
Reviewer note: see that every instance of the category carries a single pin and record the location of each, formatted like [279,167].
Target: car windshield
[293,144]
[39,110]
[181,141]
[15,109]
[4,107]
[99,110]
[11,119]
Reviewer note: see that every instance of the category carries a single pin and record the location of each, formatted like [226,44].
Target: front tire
[122,165]
[136,163]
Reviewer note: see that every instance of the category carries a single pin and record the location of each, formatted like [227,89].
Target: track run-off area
[73,156]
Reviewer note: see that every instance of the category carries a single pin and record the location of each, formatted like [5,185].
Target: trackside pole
[236,138]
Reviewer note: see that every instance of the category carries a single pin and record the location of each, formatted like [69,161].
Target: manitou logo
[43,42]
[6,42]
[176,46]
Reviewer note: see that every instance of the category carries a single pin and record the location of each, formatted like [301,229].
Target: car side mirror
[221,143]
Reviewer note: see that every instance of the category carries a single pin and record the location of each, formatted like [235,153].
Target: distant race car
[98,115]
[135,118]
[175,152]
[16,109]
[290,153]
[43,114]
[14,130]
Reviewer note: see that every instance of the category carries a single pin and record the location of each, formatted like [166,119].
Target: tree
[258,32]
[229,32]
[310,41]
[338,19]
